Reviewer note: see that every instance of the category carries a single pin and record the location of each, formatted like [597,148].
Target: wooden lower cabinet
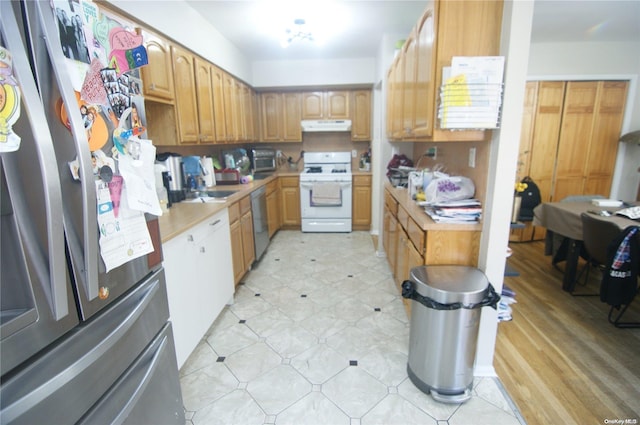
[290,197]
[273,207]
[242,244]
[361,207]
[407,245]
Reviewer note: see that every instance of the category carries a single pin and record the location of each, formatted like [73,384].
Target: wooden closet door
[607,126]
[575,138]
[544,144]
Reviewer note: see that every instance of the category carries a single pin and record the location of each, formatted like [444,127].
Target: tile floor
[318,335]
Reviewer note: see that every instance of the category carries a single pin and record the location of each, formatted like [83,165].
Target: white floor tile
[288,362]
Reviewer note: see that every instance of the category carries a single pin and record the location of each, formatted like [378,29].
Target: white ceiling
[243,24]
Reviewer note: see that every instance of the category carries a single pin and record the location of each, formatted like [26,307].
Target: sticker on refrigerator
[9,104]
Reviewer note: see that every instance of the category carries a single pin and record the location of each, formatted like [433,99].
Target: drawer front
[289,181]
[245,205]
[417,235]
[361,180]
[271,186]
[403,217]
[391,203]
[234,212]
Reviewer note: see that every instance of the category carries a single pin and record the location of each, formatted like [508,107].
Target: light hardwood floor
[559,359]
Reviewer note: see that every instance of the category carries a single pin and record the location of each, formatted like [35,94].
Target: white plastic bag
[454,188]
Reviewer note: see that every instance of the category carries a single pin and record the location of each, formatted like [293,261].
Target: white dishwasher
[199,280]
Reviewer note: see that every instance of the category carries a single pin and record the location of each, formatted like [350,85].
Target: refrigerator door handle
[56,271]
[87,180]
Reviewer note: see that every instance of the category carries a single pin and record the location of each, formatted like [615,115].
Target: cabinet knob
[214,223]
[190,238]
[202,249]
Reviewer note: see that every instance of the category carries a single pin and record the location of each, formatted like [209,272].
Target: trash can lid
[450,284]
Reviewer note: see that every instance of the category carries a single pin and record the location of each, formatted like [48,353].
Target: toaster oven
[263,159]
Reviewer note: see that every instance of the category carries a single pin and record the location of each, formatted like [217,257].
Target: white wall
[589,60]
[318,72]
[178,21]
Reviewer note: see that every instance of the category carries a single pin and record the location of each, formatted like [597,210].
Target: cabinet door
[239,110]
[292,115]
[218,81]
[312,105]
[393,243]
[361,215]
[248,247]
[423,107]
[290,206]
[236,251]
[337,105]
[361,116]
[402,256]
[397,108]
[409,83]
[271,116]
[186,109]
[157,76]
[230,99]
[273,213]
[204,94]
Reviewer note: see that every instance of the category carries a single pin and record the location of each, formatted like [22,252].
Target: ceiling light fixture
[298,33]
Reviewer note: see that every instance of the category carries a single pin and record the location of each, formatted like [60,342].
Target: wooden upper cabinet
[218,80]
[361,115]
[280,116]
[186,109]
[446,29]
[409,85]
[204,95]
[320,105]
[292,114]
[312,105]
[337,105]
[157,76]
[230,100]
[424,84]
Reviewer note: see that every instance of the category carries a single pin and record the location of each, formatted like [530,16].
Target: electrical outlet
[432,152]
[354,153]
[472,157]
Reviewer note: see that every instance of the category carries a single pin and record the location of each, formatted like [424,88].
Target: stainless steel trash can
[445,317]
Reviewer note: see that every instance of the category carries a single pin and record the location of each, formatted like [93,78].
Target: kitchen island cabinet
[411,238]
[199,280]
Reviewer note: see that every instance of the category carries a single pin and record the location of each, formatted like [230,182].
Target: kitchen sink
[261,176]
[220,193]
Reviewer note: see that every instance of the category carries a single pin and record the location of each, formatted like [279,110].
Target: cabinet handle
[202,249]
[214,223]
[190,238]
[152,86]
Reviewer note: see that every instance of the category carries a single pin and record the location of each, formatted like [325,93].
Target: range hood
[325,125]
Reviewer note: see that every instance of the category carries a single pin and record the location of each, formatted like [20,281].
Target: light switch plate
[472,157]
[354,153]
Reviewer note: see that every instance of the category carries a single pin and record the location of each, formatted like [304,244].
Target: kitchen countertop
[184,215]
[421,218]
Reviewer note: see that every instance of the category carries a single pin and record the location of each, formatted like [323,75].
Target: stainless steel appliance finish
[442,342]
[63,320]
[329,172]
[175,180]
[263,160]
[260,224]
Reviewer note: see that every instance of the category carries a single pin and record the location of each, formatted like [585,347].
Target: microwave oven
[263,159]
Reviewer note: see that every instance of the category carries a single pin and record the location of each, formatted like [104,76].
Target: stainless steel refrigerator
[78,344]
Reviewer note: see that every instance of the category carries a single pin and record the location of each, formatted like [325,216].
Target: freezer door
[79,196]
[36,301]
[66,382]
[148,392]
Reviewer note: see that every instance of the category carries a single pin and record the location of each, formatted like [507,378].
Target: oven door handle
[309,184]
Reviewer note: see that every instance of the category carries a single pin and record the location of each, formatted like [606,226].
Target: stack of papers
[507,297]
[471,93]
[467,211]
[632,212]
[606,202]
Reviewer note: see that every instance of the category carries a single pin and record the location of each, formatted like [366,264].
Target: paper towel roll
[209,176]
